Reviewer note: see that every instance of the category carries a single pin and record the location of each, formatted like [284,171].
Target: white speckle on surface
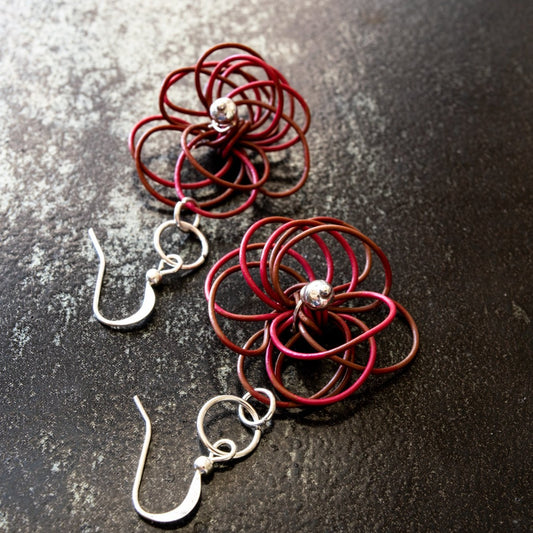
[83,495]
[21,337]
[224,373]
[520,314]
[67,304]
[4,518]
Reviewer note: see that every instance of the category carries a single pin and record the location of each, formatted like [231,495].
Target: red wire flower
[250,110]
[308,314]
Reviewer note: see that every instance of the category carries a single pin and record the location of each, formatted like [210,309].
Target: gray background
[422,137]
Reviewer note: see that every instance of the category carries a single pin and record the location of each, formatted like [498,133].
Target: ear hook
[190,501]
[148,301]
[154,275]
[203,464]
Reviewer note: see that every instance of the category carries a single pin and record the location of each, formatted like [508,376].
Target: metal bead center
[317,294]
[223,111]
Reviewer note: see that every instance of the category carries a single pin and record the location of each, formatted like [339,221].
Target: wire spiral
[267,113]
[278,273]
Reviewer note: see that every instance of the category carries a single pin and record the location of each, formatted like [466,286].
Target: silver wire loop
[227,398]
[268,416]
[175,266]
[186,227]
[221,456]
[202,465]
[177,213]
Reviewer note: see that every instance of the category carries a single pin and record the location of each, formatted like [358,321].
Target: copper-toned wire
[270,111]
[288,328]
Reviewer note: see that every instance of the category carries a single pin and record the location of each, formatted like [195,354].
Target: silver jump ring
[177,213]
[187,227]
[262,421]
[213,447]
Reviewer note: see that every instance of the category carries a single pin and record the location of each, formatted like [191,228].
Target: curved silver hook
[203,464]
[173,262]
[148,301]
[193,495]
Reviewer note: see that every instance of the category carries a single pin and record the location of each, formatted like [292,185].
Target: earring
[296,274]
[306,314]
[247,110]
[168,264]
[223,450]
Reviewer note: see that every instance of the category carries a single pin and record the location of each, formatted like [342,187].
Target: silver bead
[203,464]
[153,276]
[317,294]
[223,111]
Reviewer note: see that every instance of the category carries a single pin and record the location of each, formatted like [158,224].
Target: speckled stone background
[422,137]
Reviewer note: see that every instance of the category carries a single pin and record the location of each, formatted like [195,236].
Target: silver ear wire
[203,464]
[193,495]
[174,263]
[147,305]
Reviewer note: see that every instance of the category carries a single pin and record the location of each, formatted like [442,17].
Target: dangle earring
[308,315]
[247,110]
[203,465]
[168,264]
[312,309]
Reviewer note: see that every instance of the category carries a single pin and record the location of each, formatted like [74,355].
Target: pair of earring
[308,300]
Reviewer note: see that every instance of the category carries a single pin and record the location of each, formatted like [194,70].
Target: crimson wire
[288,329]
[269,122]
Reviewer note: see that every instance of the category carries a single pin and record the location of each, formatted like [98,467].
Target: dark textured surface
[422,137]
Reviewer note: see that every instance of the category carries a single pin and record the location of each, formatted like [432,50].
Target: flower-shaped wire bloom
[308,315]
[250,111]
